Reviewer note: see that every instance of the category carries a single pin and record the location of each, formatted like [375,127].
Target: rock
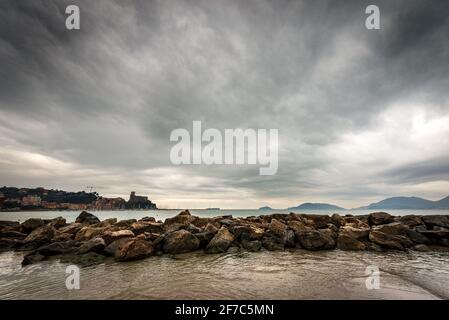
[250,232]
[193,229]
[220,242]
[288,238]
[83,260]
[421,248]
[107,223]
[436,221]
[112,248]
[72,228]
[111,236]
[134,249]
[204,238]
[277,227]
[31,258]
[56,248]
[93,245]
[87,218]
[184,213]
[183,219]
[320,221]
[346,242]
[394,228]
[58,222]
[356,233]
[337,220]
[62,237]
[10,224]
[316,240]
[272,244]
[253,246]
[180,242]
[87,233]
[378,218]
[226,222]
[417,237]
[125,224]
[411,220]
[147,226]
[147,219]
[211,228]
[31,224]
[390,241]
[6,233]
[9,243]
[40,235]
[436,233]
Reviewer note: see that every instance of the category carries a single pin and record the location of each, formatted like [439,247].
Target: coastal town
[15,199]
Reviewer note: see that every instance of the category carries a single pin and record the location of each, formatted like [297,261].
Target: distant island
[265,208]
[316,206]
[409,203]
[15,199]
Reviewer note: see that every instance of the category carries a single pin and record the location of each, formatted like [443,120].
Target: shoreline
[90,239]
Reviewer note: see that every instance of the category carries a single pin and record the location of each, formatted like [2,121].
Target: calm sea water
[290,274]
[163,214]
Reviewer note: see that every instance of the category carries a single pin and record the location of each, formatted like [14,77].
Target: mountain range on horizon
[412,203]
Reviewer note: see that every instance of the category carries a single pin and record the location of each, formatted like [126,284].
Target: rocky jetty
[89,239]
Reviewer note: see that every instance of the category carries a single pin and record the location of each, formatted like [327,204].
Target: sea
[289,274]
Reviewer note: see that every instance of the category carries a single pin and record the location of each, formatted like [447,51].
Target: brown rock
[346,242]
[87,233]
[134,249]
[31,224]
[378,218]
[411,220]
[180,242]
[316,240]
[93,245]
[389,241]
[40,235]
[220,242]
[87,218]
[111,236]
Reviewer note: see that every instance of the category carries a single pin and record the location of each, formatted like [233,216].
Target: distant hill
[409,203]
[265,208]
[316,206]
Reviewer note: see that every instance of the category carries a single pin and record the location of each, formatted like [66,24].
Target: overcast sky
[362,114]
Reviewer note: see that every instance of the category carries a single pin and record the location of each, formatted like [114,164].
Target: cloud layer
[362,114]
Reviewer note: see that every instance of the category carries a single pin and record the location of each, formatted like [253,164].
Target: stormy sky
[362,114]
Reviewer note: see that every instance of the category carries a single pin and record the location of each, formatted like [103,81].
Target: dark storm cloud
[106,97]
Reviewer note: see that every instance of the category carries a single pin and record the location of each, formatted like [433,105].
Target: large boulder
[390,241]
[124,224]
[107,222]
[31,224]
[134,249]
[378,218]
[112,248]
[356,233]
[40,235]
[204,238]
[111,236]
[87,233]
[9,243]
[249,232]
[417,237]
[337,220]
[220,242]
[87,218]
[180,242]
[319,221]
[93,245]
[57,222]
[347,242]
[316,239]
[394,228]
[411,220]
[436,221]
[272,243]
[72,228]
[253,246]
[140,227]
[183,218]
[277,227]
